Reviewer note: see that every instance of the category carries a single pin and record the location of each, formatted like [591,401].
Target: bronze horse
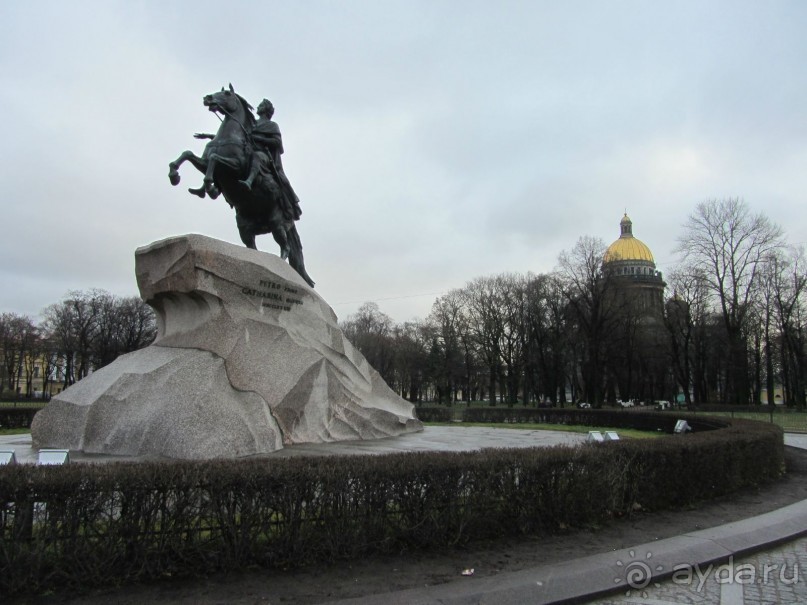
[225,163]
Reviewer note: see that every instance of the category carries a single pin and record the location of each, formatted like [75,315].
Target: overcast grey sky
[429,142]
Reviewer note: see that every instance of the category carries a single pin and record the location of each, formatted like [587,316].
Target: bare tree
[4,340]
[595,310]
[137,325]
[51,359]
[31,351]
[685,320]
[104,342]
[450,322]
[548,344]
[486,323]
[18,335]
[123,325]
[84,307]
[514,336]
[727,244]
[789,286]
[91,329]
[410,342]
[370,331]
[59,327]
[765,350]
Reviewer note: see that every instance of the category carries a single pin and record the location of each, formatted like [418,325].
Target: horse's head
[225,101]
[232,105]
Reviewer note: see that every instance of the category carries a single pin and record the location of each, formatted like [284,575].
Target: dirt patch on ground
[414,569]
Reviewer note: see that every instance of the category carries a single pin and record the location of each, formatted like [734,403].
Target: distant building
[631,262]
[638,368]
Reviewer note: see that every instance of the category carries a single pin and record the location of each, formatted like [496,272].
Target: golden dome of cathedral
[627,247]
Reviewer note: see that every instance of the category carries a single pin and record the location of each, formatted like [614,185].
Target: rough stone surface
[248,358]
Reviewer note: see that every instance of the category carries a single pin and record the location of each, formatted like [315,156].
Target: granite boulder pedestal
[248,358]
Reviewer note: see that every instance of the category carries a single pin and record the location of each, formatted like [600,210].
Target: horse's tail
[296,254]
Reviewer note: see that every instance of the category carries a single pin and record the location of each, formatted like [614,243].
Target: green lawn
[790,421]
[23,403]
[14,431]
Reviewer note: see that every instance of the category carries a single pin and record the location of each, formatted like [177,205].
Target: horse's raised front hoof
[200,192]
[213,192]
[173,176]
[284,253]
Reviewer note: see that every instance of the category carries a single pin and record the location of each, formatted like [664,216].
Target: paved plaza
[770,577]
[431,439]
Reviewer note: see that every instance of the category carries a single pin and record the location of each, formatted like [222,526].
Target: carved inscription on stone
[274,295]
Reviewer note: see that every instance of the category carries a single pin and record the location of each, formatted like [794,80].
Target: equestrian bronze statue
[242,161]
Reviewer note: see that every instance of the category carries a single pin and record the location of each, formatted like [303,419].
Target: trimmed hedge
[17,418]
[432,414]
[83,525]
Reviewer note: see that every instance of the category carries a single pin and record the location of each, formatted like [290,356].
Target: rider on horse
[265,146]
[265,158]
[264,201]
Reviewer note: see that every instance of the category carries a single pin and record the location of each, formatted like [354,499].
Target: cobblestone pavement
[771,577]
